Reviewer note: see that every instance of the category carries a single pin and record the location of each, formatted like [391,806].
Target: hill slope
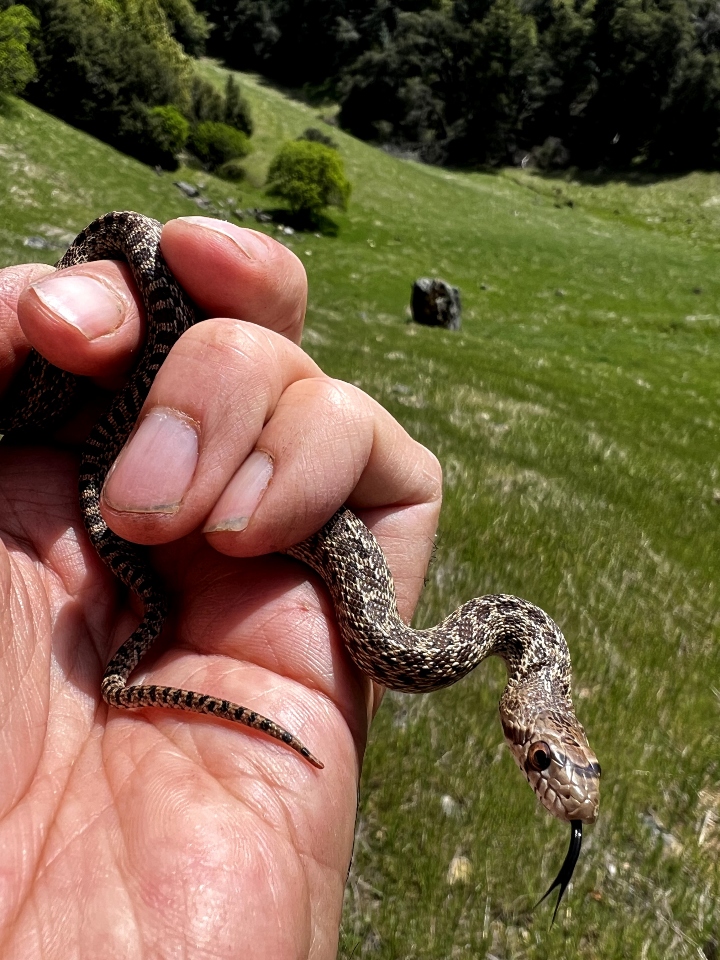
[576,416]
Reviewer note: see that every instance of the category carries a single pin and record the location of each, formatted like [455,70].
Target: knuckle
[229,344]
[225,358]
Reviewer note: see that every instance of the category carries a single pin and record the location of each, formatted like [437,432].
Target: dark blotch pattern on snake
[536,710]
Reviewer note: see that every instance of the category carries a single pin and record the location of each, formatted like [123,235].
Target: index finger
[244,265]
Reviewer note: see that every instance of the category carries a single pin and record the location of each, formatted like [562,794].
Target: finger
[207,406]
[230,271]
[327,443]
[86,319]
[233,399]
[14,345]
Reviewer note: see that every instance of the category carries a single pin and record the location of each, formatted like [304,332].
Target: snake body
[537,714]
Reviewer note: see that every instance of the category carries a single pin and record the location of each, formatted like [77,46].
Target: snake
[536,711]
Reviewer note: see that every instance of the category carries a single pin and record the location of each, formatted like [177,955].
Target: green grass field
[576,416]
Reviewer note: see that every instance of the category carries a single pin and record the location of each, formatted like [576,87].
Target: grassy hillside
[576,416]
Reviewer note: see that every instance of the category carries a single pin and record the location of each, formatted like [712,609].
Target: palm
[161,831]
[159,834]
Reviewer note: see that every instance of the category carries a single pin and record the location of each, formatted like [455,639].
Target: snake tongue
[566,870]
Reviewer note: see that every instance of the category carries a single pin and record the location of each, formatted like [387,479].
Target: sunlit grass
[576,416]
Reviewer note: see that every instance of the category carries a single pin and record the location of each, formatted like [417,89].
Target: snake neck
[354,569]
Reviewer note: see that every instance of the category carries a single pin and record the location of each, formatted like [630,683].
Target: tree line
[613,83]
[593,83]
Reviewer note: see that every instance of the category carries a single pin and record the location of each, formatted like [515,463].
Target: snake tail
[116,693]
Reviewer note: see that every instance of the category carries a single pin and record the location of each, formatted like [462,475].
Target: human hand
[153,833]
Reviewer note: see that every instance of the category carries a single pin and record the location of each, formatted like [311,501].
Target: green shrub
[309,176]
[215,143]
[231,170]
[17,30]
[165,134]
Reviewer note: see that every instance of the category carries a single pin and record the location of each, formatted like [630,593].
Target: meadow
[576,415]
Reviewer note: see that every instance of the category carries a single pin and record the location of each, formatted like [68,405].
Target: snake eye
[539,755]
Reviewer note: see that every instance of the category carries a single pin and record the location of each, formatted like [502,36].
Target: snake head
[553,753]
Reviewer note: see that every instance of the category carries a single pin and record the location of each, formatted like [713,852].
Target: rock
[459,871]
[671,844]
[40,243]
[450,806]
[187,188]
[436,304]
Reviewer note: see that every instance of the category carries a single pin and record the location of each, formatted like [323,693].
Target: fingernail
[155,469]
[254,245]
[241,496]
[86,304]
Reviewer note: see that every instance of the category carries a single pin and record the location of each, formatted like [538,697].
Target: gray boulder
[435,303]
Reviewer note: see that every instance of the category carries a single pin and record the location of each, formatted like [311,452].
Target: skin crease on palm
[155,834]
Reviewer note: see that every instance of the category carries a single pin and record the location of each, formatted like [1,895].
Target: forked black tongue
[566,870]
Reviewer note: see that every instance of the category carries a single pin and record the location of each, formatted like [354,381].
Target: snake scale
[536,710]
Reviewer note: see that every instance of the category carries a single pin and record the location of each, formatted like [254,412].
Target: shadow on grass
[601,176]
[319,96]
[304,222]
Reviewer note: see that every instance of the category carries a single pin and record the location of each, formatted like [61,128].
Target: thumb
[87,319]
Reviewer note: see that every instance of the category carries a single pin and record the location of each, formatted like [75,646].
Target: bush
[215,143]
[231,170]
[165,134]
[309,176]
[17,30]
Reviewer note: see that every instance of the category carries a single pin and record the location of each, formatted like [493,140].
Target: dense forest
[122,70]
[592,83]
[586,82]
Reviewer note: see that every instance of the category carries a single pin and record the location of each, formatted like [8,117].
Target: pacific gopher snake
[536,710]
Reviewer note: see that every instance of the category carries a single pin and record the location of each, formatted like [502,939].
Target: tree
[101,71]
[17,30]
[401,91]
[309,176]
[236,111]
[496,59]
[189,27]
